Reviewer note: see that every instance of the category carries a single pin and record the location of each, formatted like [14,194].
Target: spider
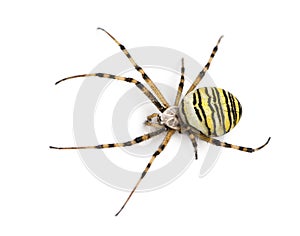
[203,113]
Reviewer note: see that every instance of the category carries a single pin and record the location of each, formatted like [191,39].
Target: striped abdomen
[212,111]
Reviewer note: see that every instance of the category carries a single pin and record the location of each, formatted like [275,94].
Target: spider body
[210,110]
[203,113]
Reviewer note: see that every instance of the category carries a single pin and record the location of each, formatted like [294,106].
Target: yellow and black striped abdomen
[213,111]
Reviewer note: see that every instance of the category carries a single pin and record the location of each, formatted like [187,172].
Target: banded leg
[153,115]
[140,70]
[112,145]
[228,145]
[149,122]
[194,142]
[126,79]
[159,150]
[181,84]
[206,67]
[156,125]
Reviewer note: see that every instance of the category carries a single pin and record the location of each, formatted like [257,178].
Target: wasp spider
[202,113]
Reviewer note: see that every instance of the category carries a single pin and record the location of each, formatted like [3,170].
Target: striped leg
[194,142]
[156,125]
[227,145]
[159,150]
[140,69]
[153,115]
[112,145]
[149,122]
[181,84]
[126,79]
[206,67]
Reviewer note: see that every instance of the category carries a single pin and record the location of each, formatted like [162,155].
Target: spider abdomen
[213,111]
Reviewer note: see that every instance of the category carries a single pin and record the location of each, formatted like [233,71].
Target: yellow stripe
[238,111]
[224,109]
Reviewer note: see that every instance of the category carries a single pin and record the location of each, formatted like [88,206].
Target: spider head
[170,118]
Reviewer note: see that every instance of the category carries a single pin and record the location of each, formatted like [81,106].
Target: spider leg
[181,84]
[228,145]
[126,79]
[112,145]
[158,151]
[194,142]
[140,70]
[206,67]
[156,125]
[153,115]
[149,122]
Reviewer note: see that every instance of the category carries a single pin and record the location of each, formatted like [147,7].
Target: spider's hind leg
[228,145]
[112,145]
[194,142]
[155,154]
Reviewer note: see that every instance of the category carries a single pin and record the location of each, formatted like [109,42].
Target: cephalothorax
[170,118]
[203,113]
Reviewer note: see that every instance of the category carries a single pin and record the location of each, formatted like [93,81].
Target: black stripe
[233,109]
[129,143]
[183,112]
[195,108]
[139,85]
[194,99]
[102,75]
[150,96]
[181,84]
[143,174]
[227,145]
[221,110]
[130,80]
[217,103]
[245,149]
[240,109]
[162,146]
[201,74]
[207,65]
[122,47]
[138,139]
[156,153]
[228,109]
[212,110]
[216,142]
[215,49]
[203,112]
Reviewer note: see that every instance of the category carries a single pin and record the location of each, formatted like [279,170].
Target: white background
[45,192]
